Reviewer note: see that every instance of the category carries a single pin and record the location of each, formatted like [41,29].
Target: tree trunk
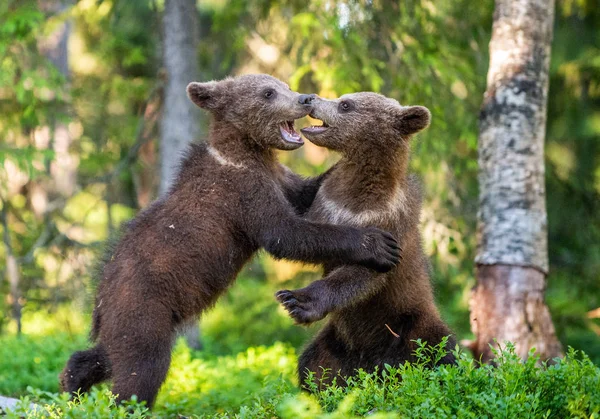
[12,269]
[54,46]
[181,119]
[180,122]
[512,257]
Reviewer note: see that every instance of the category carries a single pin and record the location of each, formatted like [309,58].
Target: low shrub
[511,388]
[260,383]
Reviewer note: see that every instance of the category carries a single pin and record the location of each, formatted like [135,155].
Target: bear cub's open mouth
[289,134]
[315,129]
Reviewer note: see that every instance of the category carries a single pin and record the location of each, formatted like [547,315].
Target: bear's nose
[306,99]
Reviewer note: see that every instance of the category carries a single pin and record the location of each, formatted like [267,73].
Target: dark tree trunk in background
[181,120]
[512,258]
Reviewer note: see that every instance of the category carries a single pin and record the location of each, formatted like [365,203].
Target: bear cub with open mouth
[372,318]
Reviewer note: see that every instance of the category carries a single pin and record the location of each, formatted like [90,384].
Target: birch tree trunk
[512,257]
[180,122]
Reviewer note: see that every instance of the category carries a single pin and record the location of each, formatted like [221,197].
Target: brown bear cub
[181,253]
[373,318]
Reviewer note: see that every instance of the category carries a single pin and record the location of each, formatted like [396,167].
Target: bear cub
[373,318]
[179,255]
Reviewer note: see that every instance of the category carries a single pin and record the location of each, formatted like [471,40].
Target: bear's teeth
[290,136]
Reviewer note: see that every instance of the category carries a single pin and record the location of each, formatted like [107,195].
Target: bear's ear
[204,95]
[412,119]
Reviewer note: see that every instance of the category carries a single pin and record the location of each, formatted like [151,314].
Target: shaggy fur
[182,252]
[373,318]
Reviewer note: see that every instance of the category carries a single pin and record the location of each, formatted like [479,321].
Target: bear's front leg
[341,288]
[305,305]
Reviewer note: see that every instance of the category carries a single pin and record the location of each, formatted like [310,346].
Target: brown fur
[373,318]
[181,253]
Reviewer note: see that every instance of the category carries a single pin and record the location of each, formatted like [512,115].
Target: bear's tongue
[289,134]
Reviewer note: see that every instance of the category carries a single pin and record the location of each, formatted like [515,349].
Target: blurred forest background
[82,88]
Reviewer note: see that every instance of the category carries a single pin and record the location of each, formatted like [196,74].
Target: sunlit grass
[66,319]
[225,383]
[260,382]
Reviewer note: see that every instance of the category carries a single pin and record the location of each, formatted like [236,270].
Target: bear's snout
[306,99]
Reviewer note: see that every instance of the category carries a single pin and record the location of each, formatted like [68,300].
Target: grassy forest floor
[248,370]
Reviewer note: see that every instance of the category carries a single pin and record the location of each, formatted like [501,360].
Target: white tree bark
[180,122]
[181,119]
[512,254]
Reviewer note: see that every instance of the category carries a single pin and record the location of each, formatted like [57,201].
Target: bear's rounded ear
[204,95]
[412,119]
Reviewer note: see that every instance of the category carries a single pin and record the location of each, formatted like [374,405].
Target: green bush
[568,387]
[99,403]
[34,361]
[248,370]
[198,383]
[260,382]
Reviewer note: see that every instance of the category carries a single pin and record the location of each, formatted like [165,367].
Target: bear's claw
[301,310]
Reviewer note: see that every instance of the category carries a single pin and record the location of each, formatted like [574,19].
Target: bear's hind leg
[319,358]
[84,369]
[141,355]
[141,372]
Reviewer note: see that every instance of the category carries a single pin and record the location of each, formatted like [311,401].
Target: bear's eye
[269,94]
[346,106]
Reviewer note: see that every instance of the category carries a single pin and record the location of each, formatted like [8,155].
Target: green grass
[260,383]
[248,370]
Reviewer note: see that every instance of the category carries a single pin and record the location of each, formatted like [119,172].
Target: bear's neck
[237,149]
[368,182]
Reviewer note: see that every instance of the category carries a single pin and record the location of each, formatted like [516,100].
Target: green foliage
[510,388]
[96,404]
[32,90]
[248,315]
[222,384]
[35,362]
[260,382]
[96,103]
[573,175]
